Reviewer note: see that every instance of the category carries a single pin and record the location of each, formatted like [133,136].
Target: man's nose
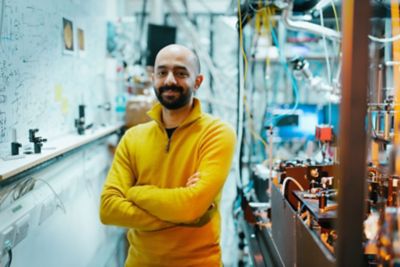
[170,79]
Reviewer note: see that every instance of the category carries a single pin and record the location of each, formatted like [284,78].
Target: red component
[130,90]
[324,133]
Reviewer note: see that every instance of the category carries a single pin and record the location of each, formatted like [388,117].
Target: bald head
[176,76]
[180,52]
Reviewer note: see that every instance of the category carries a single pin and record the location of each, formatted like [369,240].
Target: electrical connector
[7,237]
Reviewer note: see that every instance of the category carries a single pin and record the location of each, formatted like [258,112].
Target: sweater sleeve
[188,204]
[115,208]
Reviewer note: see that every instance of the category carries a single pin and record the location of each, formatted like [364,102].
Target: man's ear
[198,81]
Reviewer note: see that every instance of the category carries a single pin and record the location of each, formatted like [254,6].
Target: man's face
[173,95]
[175,78]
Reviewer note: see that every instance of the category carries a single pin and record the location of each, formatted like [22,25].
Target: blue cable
[294,83]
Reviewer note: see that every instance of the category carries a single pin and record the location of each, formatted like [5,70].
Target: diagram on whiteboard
[41,87]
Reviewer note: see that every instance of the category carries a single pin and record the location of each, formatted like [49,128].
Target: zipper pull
[168,144]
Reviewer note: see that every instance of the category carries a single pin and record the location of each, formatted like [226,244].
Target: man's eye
[161,73]
[181,74]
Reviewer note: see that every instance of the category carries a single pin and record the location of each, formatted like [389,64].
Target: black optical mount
[37,141]
[80,122]
[15,148]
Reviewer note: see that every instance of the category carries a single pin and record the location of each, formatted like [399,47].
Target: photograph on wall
[81,40]
[80,33]
[68,36]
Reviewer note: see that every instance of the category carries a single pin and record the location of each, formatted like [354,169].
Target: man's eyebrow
[175,67]
[180,68]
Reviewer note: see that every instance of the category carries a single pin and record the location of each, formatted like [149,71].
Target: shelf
[52,149]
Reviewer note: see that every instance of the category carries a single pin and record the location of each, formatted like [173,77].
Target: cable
[306,26]
[252,130]
[339,68]
[241,42]
[23,187]
[328,65]
[290,74]
[384,40]
[336,16]
[61,203]
[18,190]
[240,104]
[10,256]
[259,16]
[240,119]
[266,20]
[290,179]
[249,5]
[5,195]
[268,13]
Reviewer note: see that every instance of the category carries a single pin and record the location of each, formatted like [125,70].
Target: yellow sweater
[170,224]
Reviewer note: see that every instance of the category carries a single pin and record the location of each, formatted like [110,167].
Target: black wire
[22,188]
[9,258]
[239,188]
[253,144]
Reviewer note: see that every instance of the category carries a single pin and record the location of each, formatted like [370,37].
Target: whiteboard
[41,85]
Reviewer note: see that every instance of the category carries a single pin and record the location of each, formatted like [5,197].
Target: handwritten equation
[32,64]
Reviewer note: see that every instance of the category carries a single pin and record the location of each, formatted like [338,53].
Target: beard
[174,101]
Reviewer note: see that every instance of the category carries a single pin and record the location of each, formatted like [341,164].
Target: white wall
[71,234]
[41,85]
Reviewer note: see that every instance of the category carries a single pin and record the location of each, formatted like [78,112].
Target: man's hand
[192,181]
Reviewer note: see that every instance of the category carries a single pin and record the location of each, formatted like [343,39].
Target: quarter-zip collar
[156,113]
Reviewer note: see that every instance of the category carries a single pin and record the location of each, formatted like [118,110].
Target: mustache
[173,88]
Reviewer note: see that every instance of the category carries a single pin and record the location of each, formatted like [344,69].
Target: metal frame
[352,139]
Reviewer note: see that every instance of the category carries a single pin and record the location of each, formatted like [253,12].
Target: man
[167,175]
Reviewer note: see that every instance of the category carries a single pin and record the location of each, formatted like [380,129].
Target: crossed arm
[150,208]
[115,208]
[188,204]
